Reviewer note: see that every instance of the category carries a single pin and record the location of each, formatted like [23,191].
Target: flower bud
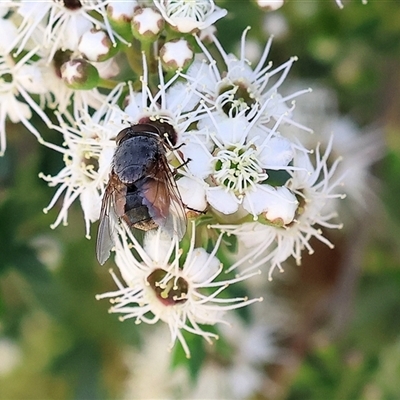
[120,15]
[176,54]
[79,74]
[147,24]
[96,45]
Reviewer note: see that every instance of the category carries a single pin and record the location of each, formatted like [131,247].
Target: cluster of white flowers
[234,166]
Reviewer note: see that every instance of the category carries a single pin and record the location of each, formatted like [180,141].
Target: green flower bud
[79,74]
[120,15]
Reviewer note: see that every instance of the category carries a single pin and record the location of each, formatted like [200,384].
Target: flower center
[60,57]
[6,78]
[90,161]
[193,9]
[235,98]
[169,290]
[238,168]
[72,4]
[84,165]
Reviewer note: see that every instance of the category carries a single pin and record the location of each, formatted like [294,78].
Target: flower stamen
[238,169]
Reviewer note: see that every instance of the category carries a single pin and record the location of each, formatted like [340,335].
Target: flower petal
[276,152]
[223,201]
[200,160]
[193,193]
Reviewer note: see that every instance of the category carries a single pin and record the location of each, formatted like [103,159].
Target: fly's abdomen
[136,213]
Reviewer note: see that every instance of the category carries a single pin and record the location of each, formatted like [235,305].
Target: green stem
[107,83]
[134,57]
[147,50]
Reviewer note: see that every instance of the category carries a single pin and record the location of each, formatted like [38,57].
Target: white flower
[159,287]
[89,139]
[237,87]
[240,372]
[188,16]
[60,24]
[229,169]
[315,187]
[238,142]
[18,81]
[88,149]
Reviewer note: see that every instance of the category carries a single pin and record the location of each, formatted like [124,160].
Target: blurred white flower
[11,356]
[340,4]
[359,149]
[276,24]
[49,250]
[150,375]
[240,372]
[161,287]
[188,16]
[270,5]
[9,32]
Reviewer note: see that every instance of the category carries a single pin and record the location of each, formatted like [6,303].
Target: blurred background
[336,332]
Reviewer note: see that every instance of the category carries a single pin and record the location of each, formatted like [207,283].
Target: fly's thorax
[135,157]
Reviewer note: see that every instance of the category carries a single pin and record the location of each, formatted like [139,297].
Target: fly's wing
[112,208]
[162,198]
